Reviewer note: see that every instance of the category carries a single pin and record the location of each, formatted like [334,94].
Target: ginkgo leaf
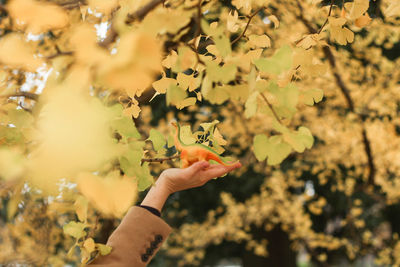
[190,101]
[75,229]
[285,99]
[132,111]
[157,139]
[143,176]
[279,62]
[393,9]
[223,74]
[251,105]
[312,96]
[163,84]
[217,95]
[37,16]
[357,8]
[81,206]
[272,147]
[175,95]
[170,60]
[12,163]
[112,195]
[103,6]
[125,127]
[89,245]
[363,21]
[219,138]
[187,136]
[16,53]
[188,81]
[103,249]
[232,21]
[341,34]
[275,20]
[299,140]
[259,41]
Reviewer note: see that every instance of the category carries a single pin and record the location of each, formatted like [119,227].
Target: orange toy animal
[195,152]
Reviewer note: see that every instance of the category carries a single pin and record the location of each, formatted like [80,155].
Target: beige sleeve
[135,241]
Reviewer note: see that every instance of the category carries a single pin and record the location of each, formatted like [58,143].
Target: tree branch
[141,13]
[326,21]
[28,95]
[160,160]
[247,25]
[346,93]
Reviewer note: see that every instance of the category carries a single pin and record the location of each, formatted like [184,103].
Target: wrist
[157,195]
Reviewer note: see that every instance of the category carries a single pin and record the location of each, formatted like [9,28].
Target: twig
[271,107]
[58,54]
[28,95]
[346,93]
[326,21]
[141,13]
[247,25]
[160,160]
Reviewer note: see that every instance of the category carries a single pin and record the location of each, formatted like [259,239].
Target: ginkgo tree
[79,80]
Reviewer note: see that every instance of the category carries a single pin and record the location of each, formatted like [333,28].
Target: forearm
[157,195]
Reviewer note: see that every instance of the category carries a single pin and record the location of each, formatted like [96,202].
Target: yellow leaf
[275,20]
[219,138]
[259,41]
[73,135]
[112,195]
[132,111]
[163,84]
[232,21]
[170,60]
[84,42]
[358,8]
[363,21]
[393,9]
[103,6]
[135,65]
[16,53]
[36,16]
[12,164]
[341,34]
[81,206]
[188,81]
[89,245]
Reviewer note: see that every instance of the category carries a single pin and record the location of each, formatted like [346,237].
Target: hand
[174,180]
[196,175]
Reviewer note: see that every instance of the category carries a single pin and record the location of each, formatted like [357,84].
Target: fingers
[198,166]
[218,170]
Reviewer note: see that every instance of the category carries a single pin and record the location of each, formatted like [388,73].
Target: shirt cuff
[151,209]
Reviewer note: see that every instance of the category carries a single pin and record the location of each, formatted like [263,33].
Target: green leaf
[286,97]
[142,173]
[223,74]
[272,147]
[103,249]
[20,118]
[157,139]
[75,229]
[251,105]
[300,139]
[312,95]
[260,143]
[223,45]
[217,95]
[281,61]
[175,95]
[125,127]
